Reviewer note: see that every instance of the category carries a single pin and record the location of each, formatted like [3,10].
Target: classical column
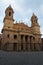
[32,43]
[36,43]
[28,43]
[19,43]
[31,39]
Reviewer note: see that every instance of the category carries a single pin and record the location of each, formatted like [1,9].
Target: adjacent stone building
[19,36]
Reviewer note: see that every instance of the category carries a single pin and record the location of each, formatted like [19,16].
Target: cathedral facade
[18,36]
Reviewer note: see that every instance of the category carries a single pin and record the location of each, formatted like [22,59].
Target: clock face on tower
[9,24]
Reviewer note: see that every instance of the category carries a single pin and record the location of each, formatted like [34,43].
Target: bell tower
[35,28]
[34,20]
[34,24]
[8,20]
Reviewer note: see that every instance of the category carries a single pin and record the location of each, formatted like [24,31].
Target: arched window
[15,36]
[8,35]
[9,13]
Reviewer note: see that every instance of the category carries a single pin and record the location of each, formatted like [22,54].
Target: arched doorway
[21,46]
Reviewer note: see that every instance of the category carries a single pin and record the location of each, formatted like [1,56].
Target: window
[15,36]
[22,37]
[8,35]
[9,13]
[26,37]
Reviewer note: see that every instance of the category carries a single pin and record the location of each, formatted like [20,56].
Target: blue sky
[23,11]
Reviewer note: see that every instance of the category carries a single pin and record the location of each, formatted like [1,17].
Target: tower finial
[34,17]
[33,14]
[10,5]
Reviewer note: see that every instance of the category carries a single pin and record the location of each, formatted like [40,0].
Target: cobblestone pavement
[21,58]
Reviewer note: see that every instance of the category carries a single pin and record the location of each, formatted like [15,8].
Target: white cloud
[1,26]
[6,1]
[41,29]
[20,1]
[17,7]
[41,9]
[27,22]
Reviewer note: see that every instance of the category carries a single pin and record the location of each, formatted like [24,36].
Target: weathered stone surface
[18,36]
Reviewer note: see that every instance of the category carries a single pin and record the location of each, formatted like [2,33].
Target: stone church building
[19,36]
